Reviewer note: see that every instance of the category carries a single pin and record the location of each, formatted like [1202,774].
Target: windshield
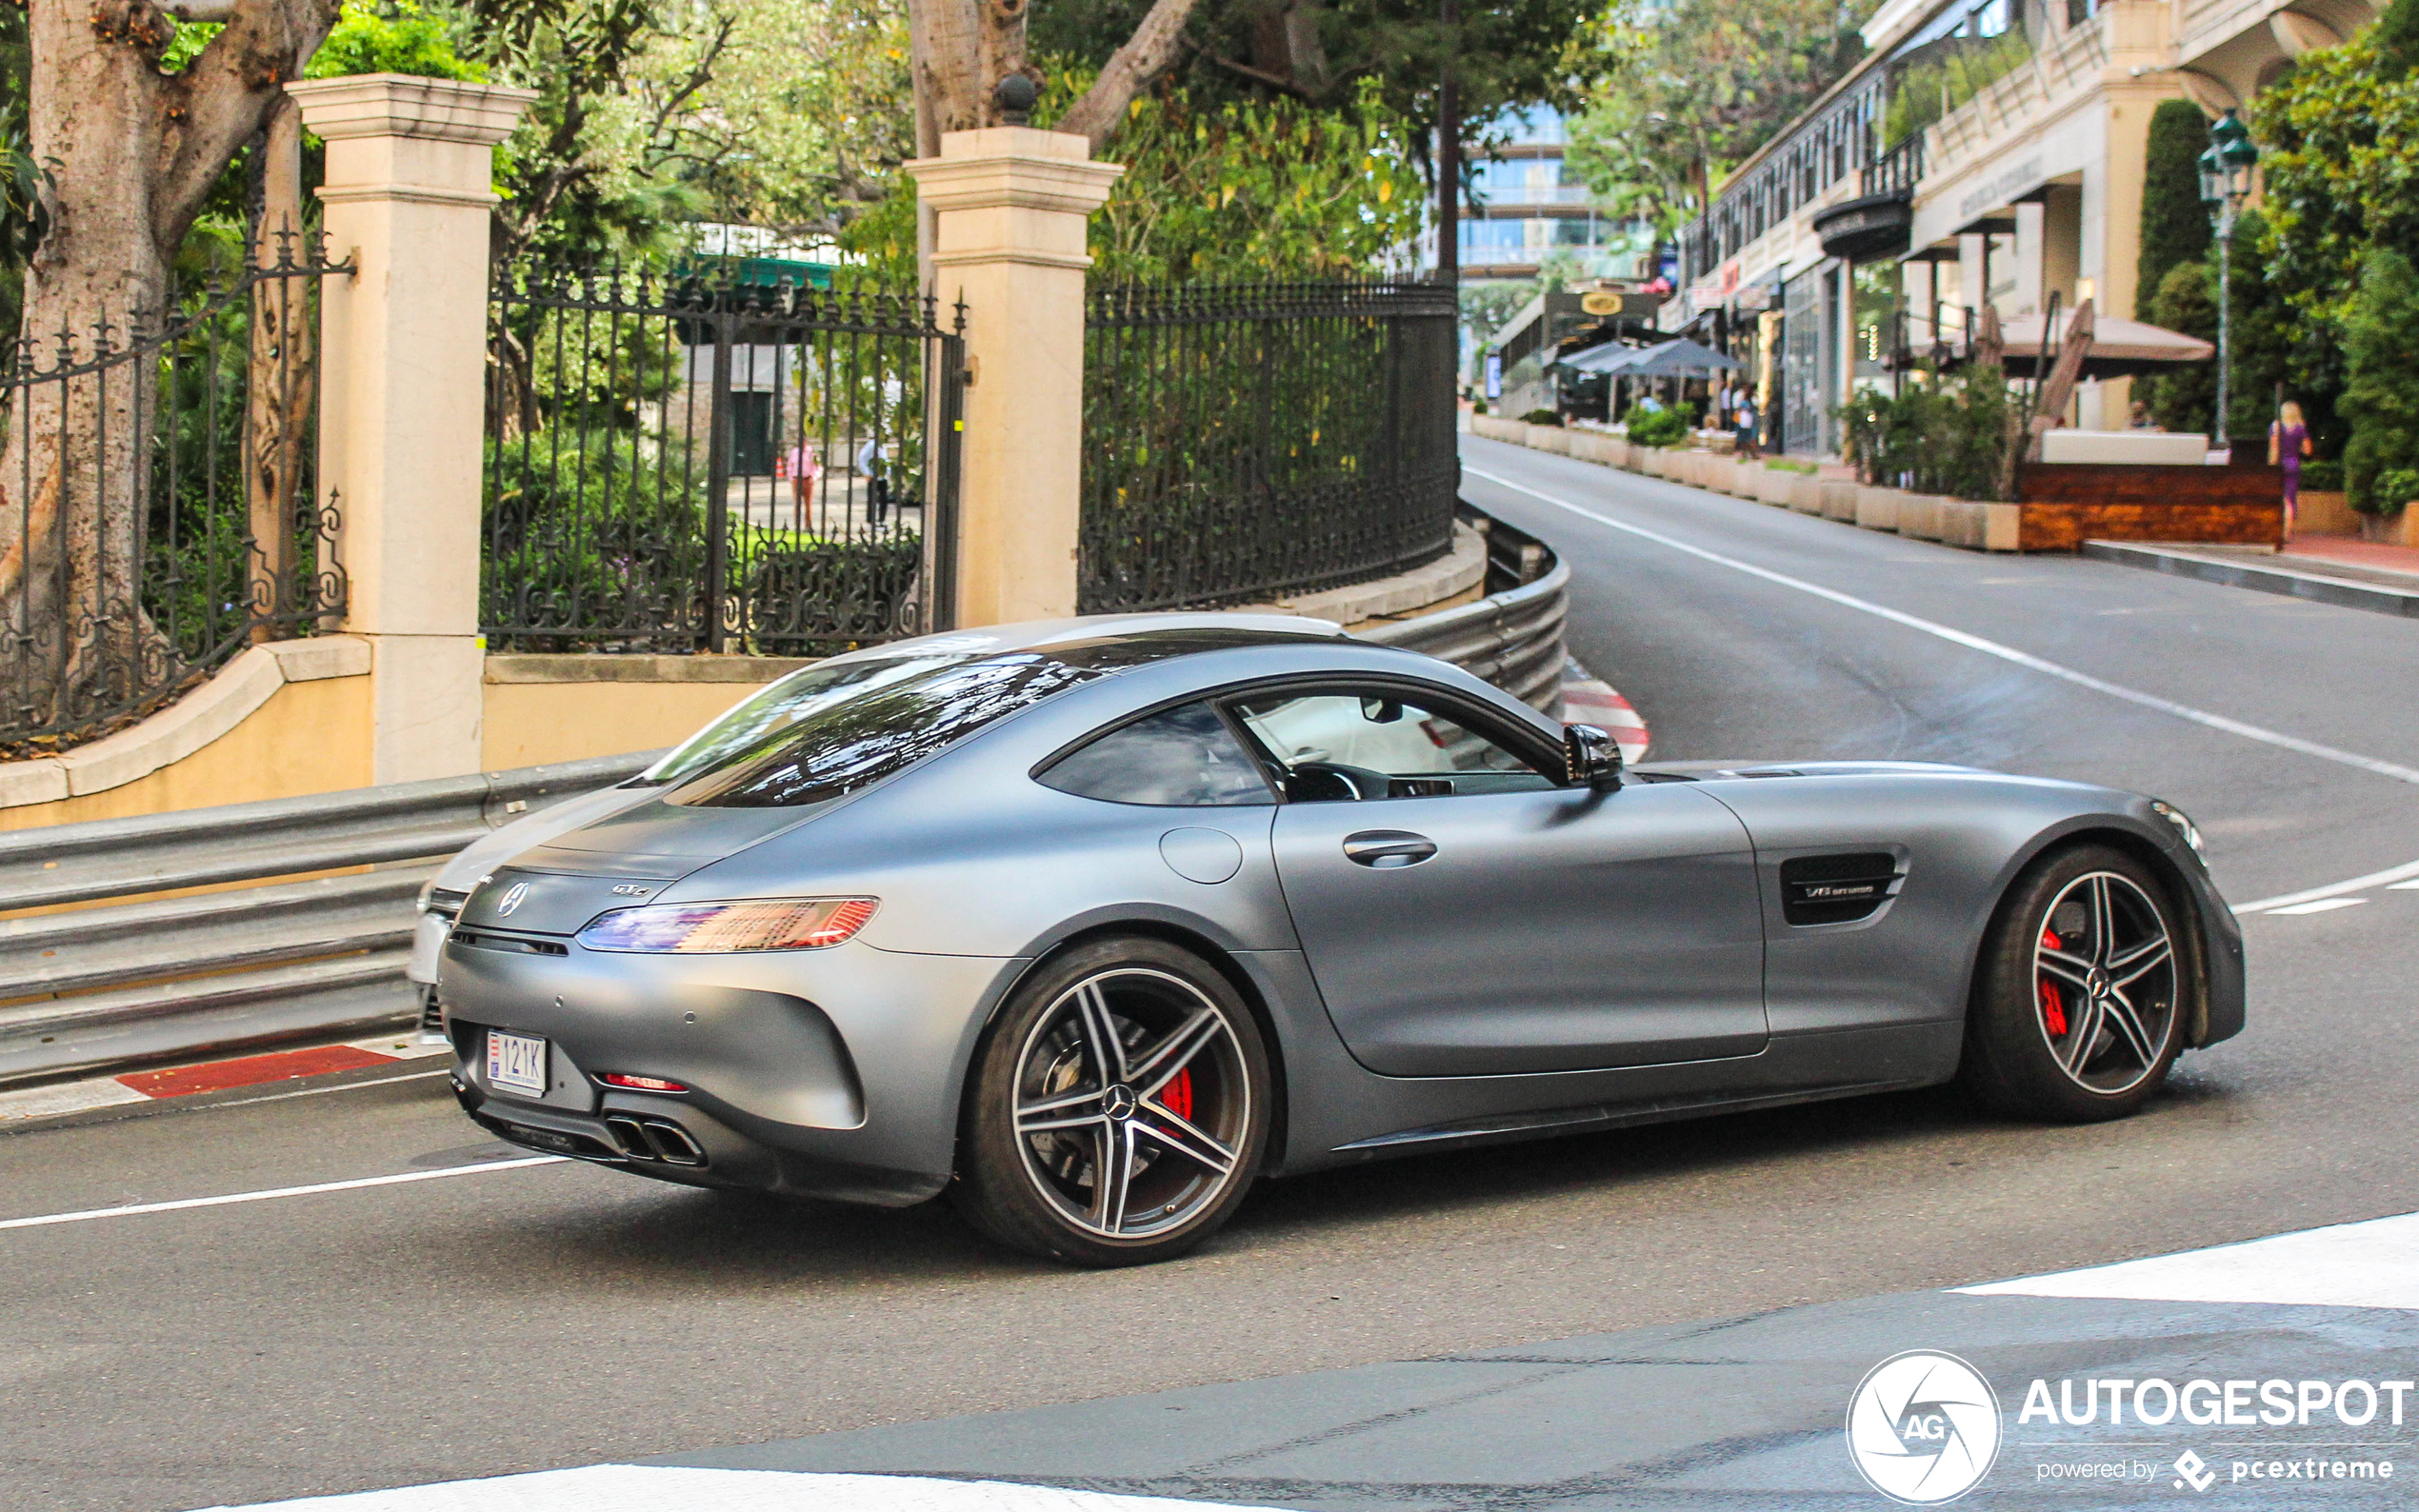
[858,735]
[777,706]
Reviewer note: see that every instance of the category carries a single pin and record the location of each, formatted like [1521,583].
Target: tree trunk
[280,381]
[1130,70]
[136,154]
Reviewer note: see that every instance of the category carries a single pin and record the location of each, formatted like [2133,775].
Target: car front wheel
[2081,991]
[1118,1109]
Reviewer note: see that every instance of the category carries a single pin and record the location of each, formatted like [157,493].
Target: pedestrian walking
[2288,443]
[1749,443]
[803,468]
[877,488]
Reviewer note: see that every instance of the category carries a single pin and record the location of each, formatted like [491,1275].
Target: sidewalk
[2324,570]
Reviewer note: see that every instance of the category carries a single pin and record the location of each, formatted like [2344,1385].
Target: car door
[1464,914]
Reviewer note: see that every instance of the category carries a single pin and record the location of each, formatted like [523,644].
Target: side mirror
[1593,756]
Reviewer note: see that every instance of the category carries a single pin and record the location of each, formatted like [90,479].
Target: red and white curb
[1586,700]
[214,1076]
[669,1488]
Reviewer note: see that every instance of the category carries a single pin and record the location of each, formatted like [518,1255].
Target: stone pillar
[403,346]
[1011,205]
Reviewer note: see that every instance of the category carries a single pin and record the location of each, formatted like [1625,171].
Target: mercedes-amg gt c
[1091,925]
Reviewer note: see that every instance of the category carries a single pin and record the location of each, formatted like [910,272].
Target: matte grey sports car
[1091,925]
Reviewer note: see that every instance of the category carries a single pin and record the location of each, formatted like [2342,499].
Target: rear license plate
[516,1063]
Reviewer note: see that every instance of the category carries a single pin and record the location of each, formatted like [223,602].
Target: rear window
[829,749]
[779,706]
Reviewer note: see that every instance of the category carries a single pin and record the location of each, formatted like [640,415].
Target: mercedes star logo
[511,900]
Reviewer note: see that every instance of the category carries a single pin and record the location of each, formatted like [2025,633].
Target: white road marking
[2026,659]
[133,1209]
[2369,1265]
[671,1488]
[2322,905]
[2403,886]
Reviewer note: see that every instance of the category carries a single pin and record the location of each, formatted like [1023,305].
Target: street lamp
[2225,182]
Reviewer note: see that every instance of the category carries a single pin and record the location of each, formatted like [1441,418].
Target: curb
[2341,592]
[1588,700]
[63,1098]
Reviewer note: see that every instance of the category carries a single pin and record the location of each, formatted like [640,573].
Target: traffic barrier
[178,934]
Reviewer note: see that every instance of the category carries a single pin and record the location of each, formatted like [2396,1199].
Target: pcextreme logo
[1922,1427]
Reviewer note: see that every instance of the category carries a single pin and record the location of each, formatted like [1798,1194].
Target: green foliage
[1542,417]
[2397,38]
[1242,190]
[21,219]
[2176,224]
[1930,90]
[1661,427]
[2186,398]
[2381,390]
[1945,434]
[2341,168]
[393,37]
[2323,475]
[1687,89]
[1326,53]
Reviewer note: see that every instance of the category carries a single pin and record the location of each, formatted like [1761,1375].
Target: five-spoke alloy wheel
[1118,1109]
[2080,999]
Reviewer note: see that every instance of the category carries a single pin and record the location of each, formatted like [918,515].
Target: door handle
[1388,849]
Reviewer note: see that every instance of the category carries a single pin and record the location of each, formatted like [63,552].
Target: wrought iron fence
[704,460]
[1249,441]
[159,504]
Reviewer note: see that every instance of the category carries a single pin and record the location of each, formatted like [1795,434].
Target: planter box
[2067,504]
[1877,509]
[1805,493]
[1919,516]
[2326,514]
[1773,486]
[1495,427]
[1981,526]
[2398,528]
[1549,438]
[1589,447]
[1745,478]
[1839,499]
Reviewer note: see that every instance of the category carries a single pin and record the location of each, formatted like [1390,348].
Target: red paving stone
[2355,553]
[252,1070]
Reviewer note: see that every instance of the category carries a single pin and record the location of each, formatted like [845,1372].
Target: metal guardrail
[302,925]
[127,941]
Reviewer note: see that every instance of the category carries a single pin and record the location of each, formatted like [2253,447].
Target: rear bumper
[672,1141]
[833,1073]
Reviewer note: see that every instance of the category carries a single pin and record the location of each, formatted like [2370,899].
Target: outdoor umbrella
[1676,359]
[2120,348]
[1609,358]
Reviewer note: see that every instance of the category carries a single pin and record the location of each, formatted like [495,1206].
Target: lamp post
[2225,182]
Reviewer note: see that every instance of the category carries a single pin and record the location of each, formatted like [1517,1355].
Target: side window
[1183,757]
[1348,743]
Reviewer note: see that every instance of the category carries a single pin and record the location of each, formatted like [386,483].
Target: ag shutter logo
[511,900]
[1922,1427]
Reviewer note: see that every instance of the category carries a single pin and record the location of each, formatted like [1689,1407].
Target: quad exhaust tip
[654,1139]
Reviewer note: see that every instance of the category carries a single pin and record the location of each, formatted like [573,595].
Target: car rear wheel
[1118,1107]
[2080,995]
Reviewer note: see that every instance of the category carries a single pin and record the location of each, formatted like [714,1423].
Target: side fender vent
[1836,889]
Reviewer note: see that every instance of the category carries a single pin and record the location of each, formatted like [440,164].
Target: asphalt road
[555,1314]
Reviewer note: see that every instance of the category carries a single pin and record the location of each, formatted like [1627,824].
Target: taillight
[722,928]
[640,1083]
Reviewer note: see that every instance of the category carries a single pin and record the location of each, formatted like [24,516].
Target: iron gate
[1244,441]
[709,460]
[159,502]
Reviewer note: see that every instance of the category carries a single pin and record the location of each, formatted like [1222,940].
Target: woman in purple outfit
[2288,443]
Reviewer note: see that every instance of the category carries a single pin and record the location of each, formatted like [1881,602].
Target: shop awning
[1671,359]
[2120,348]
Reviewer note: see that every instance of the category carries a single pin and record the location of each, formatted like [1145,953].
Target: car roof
[1227,630]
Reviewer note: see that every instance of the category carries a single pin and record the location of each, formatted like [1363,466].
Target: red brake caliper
[1176,1097]
[2053,1008]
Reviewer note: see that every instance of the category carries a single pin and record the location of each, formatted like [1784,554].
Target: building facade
[1985,153]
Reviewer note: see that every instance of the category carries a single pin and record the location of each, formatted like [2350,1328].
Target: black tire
[2081,990]
[1181,1103]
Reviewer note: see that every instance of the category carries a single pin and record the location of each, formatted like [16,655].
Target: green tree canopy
[2176,224]
[2381,388]
[1687,90]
